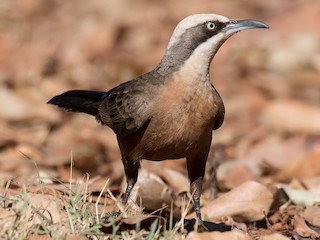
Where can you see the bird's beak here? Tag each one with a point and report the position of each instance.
(236, 25)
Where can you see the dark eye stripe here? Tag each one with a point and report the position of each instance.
(190, 40)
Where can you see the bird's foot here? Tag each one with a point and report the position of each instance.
(200, 226)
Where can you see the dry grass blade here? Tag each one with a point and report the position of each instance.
(98, 200)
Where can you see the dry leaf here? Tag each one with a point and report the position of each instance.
(312, 215)
(274, 149)
(21, 108)
(231, 235)
(76, 237)
(312, 184)
(275, 236)
(41, 204)
(292, 116)
(248, 202)
(232, 174)
(304, 165)
(39, 238)
(125, 224)
(302, 228)
(7, 220)
(17, 161)
(16, 107)
(176, 180)
(151, 190)
(114, 41)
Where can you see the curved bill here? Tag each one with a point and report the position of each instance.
(236, 25)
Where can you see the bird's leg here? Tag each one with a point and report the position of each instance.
(196, 168)
(196, 189)
(131, 169)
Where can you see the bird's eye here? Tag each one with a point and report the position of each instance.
(211, 25)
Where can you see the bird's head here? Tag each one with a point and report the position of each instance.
(199, 37)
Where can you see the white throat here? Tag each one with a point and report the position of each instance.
(196, 67)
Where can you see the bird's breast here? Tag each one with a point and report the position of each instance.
(181, 120)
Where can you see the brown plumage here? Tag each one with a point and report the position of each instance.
(170, 112)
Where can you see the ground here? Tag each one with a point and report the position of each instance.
(60, 172)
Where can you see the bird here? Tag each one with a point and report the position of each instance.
(171, 111)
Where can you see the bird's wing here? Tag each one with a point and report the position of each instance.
(124, 108)
(221, 110)
(219, 117)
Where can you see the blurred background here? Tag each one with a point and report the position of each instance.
(268, 79)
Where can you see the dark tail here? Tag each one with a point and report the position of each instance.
(79, 101)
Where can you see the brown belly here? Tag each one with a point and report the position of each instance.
(169, 137)
(182, 119)
(174, 151)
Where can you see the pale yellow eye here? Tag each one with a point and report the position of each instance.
(211, 25)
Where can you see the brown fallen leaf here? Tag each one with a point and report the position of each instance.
(232, 174)
(304, 165)
(17, 161)
(281, 220)
(19, 107)
(232, 235)
(312, 215)
(145, 221)
(41, 204)
(151, 191)
(39, 238)
(302, 229)
(176, 180)
(16, 107)
(292, 116)
(248, 202)
(273, 149)
(297, 184)
(76, 237)
(275, 236)
(12, 134)
(238, 225)
(312, 183)
(7, 220)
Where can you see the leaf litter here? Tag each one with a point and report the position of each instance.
(54, 165)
